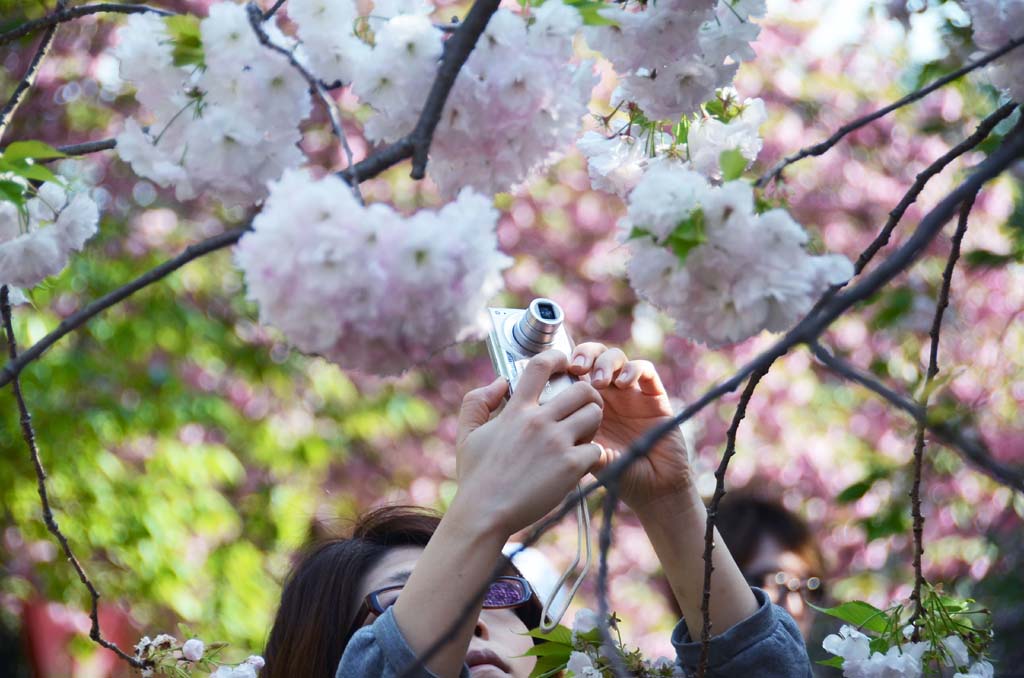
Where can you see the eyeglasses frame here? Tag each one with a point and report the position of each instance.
(371, 602)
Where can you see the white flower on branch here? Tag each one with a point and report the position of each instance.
(366, 287)
(193, 649)
(37, 243)
(709, 138)
(702, 254)
(243, 670)
(981, 669)
(327, 30)
(672, 55)
(616, 163)
(995, 23)
(515, 106)
(226, 128)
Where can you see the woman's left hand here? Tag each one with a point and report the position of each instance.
(634, 401)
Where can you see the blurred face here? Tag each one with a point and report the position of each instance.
(787, 578)
(498, 640)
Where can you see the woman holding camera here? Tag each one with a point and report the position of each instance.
(341, 612)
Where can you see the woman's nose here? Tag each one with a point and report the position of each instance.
(481, 630)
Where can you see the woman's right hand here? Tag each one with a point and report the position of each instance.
(516, 467)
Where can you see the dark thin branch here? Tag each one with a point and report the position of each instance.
(51, 523)
(72, 13)
(930, 374)
(716, 499)
(416, 145)
(256, 19)
(11, 370)
(89, 147)
(273, 10)
(610, 503)
(456, 51)
(980, 133)
(820, 148)
(968, 444)
(27, 80)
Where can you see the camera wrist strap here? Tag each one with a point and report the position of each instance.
(549, 621)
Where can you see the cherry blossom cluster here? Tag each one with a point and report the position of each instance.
(616, 162)
(516, 105)
(705, 256)
(906, 660)
(164, 655)
(35, 242)
(995, 23)
(672, 55)
(367, 287)
(223, 121)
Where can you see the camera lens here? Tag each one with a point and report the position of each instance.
(535, 332)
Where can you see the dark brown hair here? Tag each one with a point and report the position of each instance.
(321, 595)
(744, 519)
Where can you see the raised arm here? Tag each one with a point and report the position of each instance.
(660, 487)
(512, 470)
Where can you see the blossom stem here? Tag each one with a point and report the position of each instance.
(28, 433)
(820, 148)
(64, 15)
(930, 374)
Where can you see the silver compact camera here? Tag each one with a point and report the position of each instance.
(519, 334)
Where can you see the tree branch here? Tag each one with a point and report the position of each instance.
(968, 444)
(51, 523)
(980, 133)
(273, 10)
(28, 79)
(88, 147)
(716, 499)
(820, 148)
(609, 505)
(256, 19)
(72, 13)
(11, 370)
(930, 374)
(456, 51)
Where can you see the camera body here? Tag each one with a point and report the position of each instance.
(517, 334)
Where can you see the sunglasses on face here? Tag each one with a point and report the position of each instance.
(503, 593)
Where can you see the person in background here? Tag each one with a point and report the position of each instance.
(776, 552)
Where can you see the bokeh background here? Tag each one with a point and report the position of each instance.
(191, 452)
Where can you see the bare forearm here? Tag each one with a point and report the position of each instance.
(456, 563)
(675, 525)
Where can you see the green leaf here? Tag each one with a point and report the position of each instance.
(987, 259)
(857, 612)
(861, 487)
(688, 234)
(23, 169)
(835, 662)
(560, 634)
(187, 40)
(12, 191)
(589, 12)
(637, 232)
(733, 164)
(549, 649)
(891, 521)
(37, 150)
(548, 666)
(895, 305)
